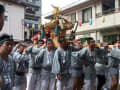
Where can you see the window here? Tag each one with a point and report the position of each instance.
(119, 4)
(25, 35)
(73, 18)
(36, 9)
(110, 38)
(6, 18)
(80, 16)
(87, 15)
(108, 6)
(30, 0)
(68, 17)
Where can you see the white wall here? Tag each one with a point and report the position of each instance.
(15, 23)
(111, 20)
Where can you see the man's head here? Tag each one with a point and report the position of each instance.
(40, 43)
(63, 43)
(49, 44)
(105, 45)
(119, 45)
(35, 42)
(2, 10)
(78, 43)
(21, 47)
(6, 43)
(91, 43)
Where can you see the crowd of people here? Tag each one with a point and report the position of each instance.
(39, 65)
(70, 66)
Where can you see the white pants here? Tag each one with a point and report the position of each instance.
(27, 76)
(109, 81)
(47, 84)
(20, 87)
(90, 84)
(111, 73)
(34, 82)
(64, 85)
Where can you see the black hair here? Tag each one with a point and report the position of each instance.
(90, 40)
(60, 40)
(41, 41)
(21, 44)
(2, 9)
(5, 37)
(49, 41)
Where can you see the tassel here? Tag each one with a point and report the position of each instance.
(56, 31)
(43, 34)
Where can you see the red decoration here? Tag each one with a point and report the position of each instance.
(48, 34)
(80, 23)
(48, 31)
(35, 37)
(27, 26)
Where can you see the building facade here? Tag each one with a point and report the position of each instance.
(97, 19)
(32, 17)
(14, 19)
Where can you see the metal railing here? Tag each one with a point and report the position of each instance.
(107, 12)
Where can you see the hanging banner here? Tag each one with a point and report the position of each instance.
(90, 21)
(36, 26)
(30, 25)
(80, 23)
(27, 26)
(33, 26)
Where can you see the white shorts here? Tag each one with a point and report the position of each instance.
(90, 84)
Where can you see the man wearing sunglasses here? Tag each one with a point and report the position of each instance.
(7, 65)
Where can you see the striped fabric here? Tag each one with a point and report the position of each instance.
(61, 62)
(20, 60)
(8, 73)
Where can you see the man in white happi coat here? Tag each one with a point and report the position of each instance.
(46, 57)
(88, 55)
(34, 74)
(61, 66)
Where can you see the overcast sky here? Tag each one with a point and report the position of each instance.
(46, 5)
